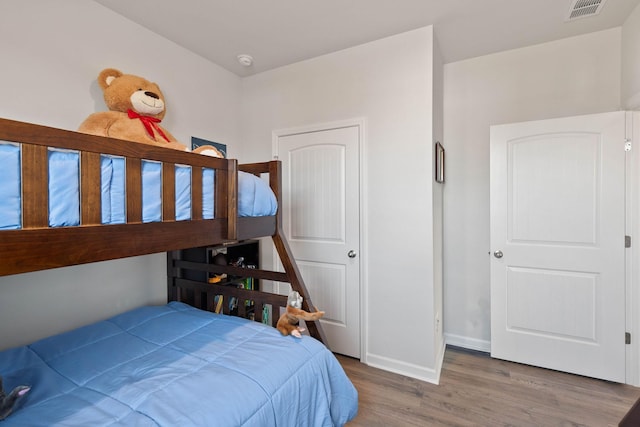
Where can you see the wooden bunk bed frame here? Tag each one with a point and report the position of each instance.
(36, 246)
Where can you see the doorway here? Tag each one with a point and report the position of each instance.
(321, 221)
(558, 244)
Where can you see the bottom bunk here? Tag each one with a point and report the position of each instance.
(176, 365)
(190, 271)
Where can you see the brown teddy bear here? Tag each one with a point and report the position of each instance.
(136, 108)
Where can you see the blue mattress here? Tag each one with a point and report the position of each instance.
(255, 197)
(175, 365)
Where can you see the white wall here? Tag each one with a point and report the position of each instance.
(578, 75)
(51, 59)
(630, 92)
(52, 52)
(438, 204)
(389, 83)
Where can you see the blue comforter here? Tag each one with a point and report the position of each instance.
(175, 365)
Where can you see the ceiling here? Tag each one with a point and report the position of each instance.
(281, 32)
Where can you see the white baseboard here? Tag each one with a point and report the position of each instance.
(430, 375)
(468, 343)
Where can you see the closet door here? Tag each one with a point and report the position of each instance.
(558, 244)
(321, 205)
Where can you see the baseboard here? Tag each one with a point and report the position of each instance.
(468, 343)
(430, 375)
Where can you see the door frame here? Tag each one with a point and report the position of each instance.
(632, 265)
(360, 123)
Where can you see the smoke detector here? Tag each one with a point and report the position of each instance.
(583, 9)
(245, 60)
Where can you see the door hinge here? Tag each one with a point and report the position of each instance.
(627, 337)
(627, 241)
(627, 144)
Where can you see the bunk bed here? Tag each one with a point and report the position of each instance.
(178, 364)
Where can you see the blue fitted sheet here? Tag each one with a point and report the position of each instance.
(183, 193)
(112, 190)
(64, 200)
(175, 365)
(10, 216)
(255, 197)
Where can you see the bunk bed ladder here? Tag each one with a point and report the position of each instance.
(186, 269)
(294, 278)
(187, 272)
(285, 254)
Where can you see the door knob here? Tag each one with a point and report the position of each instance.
(498, 254)
(351, 254)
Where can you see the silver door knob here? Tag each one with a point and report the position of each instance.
(351, 254)
(498, 254)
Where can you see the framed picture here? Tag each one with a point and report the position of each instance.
(439, 160)
(197, 142)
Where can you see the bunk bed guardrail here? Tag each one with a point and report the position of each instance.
(37, 246)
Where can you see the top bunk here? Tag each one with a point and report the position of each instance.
(59, 206)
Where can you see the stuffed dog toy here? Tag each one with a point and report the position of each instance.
(288, 323)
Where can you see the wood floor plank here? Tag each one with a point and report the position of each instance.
(476, 390)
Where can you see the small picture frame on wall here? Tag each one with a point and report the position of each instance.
(439, 162)
(197, 142)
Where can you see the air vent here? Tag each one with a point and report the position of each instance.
(584, 8)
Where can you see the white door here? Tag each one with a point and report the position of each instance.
(322, 225)
(558, 244)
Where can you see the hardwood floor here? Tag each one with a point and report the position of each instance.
(476, 390)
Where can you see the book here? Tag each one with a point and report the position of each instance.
(267, 314)
(217, 304)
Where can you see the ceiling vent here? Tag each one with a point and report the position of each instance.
(584, 8)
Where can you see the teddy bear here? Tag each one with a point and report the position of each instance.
(7, 402)
(136, 109)
(288, 323)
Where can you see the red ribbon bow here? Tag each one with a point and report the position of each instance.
(150, 123)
